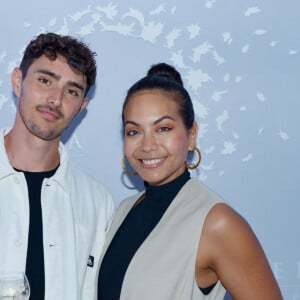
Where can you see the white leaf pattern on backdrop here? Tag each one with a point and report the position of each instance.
(240, 63)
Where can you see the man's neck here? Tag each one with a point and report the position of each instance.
(30, 153)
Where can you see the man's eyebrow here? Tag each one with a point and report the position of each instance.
(49, 73)
(77, 85)
(57, 77)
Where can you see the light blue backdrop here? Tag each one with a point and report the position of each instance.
(240, 60)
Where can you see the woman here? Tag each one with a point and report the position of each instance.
(178, 239)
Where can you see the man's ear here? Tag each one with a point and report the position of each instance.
(193, 136)
(83, 105)
(16, 81)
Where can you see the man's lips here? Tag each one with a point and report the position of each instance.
(50, 113)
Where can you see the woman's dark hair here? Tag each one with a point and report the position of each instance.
(77, 54)
(166, 78)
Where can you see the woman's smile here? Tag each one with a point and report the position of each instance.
(152, 163)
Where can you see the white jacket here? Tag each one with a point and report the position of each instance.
(76, 213)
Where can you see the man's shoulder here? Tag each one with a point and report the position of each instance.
(78, 180)
(82, 177)
(79, 173)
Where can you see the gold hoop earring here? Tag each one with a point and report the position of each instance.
(123, 162)
(197, 163)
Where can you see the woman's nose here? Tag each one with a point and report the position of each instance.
(149, 143)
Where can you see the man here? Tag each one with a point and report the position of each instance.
(53, 217)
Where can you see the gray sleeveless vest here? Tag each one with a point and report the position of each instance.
(163, 268)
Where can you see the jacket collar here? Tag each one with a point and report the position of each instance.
(5, 168)
(60, 176)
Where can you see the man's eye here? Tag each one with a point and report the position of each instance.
(44, 80)
(73, 93)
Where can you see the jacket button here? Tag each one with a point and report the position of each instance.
(18, 243)
(17, 180)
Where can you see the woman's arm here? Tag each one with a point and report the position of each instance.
(229, 251)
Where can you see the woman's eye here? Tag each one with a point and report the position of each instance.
(132, 132)
(164, 128)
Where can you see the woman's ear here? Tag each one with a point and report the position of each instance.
(193, 136)
(16, 81)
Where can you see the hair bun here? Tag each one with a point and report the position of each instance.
(165, 70)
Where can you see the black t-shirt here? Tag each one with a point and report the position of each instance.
(35, 252)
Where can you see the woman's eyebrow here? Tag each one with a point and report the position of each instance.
(163, 118)
(155, 122)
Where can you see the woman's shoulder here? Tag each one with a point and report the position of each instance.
(225, 227)
(222, 218)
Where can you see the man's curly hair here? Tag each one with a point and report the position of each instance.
(77, 54)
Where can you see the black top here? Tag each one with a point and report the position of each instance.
(35, 252)
(137, 225)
